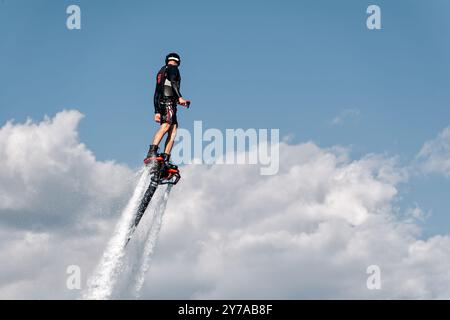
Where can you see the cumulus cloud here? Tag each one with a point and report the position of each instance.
(435, 154)
(351, 114)
(310, 231)
(56, 200)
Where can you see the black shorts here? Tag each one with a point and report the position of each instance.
(168, 111)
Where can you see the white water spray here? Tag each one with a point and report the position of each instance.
(123, 267)
(151, 236)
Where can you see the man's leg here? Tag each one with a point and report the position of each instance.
(153, 151)
(172, 133)
(160, 133)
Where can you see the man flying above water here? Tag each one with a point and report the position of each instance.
(167, 97)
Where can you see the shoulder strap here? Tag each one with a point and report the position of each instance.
(161, 76)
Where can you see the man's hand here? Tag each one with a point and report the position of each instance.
(158, 117)
(182, 101)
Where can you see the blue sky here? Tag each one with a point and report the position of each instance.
(293, 65)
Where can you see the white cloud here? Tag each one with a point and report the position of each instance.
(309, 232)
(435, 154)
(346, 115)
(56, 205)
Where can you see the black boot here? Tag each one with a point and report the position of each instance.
(167, 162)
(152, 155)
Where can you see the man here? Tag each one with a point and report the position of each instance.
(167, 97)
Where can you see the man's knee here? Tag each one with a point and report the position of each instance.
(164, 127)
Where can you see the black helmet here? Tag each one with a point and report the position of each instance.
(173, 56)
